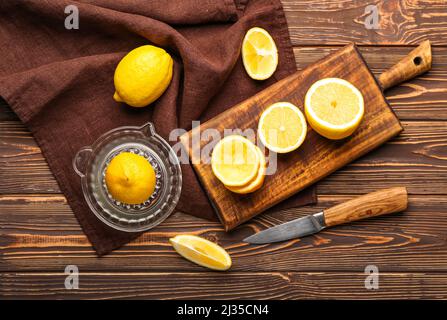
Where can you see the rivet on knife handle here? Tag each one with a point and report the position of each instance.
(370, 205)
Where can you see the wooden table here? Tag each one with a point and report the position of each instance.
(39, 235)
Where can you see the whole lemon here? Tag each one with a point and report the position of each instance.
(130, 178)
(142, 76)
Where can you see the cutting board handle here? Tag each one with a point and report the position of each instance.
(415, 63)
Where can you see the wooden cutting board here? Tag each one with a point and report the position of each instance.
(318, 156)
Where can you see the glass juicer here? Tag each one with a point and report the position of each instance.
(91, 162)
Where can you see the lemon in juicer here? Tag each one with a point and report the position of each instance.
(130, 178)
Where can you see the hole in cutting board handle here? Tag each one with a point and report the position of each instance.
(417, 60)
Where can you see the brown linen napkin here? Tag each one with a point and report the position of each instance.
(60, 82)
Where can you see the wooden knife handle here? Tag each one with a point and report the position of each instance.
(370, 205)
(417, 62)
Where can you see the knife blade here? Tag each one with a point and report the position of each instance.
(370, 205)
(294, 229)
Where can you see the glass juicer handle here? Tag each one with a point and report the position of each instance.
(148, 129)
(81, 159)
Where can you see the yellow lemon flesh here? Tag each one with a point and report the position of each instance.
(282, 127)
(130, 178)
(259, 54)
(235, 161)
(257, 182)
(201, 251)
(142, 76)
(334, 108)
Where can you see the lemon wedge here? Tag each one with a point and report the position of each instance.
(282, 127)
(334, 108)
(235, 161)
(202, 252)
(259, 54)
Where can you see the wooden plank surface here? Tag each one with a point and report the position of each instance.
(39, 235)
(314, 22)
(231, 285)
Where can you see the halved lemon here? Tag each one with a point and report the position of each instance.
(201, 251)
(282, 127)
(257, 181)
(334, 108)
(130, 178)
(235, 160)
(259, 54)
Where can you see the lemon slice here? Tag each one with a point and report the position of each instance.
(201, 251)
(257, 181)
(334, 108)
(235, 160)
(282, 127)
(259, 54)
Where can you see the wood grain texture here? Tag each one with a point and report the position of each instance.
(23, 167)
(381, 202)
(213, 285)
(40, 233)
(316, 158)
(401, 22)
(417, 62)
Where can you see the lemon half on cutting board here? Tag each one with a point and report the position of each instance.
(334, 108)
(282, 127)
(257, 182)
(235, 161)
(201, 251)
(259, 54)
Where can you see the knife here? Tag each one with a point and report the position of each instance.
(373, 204)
